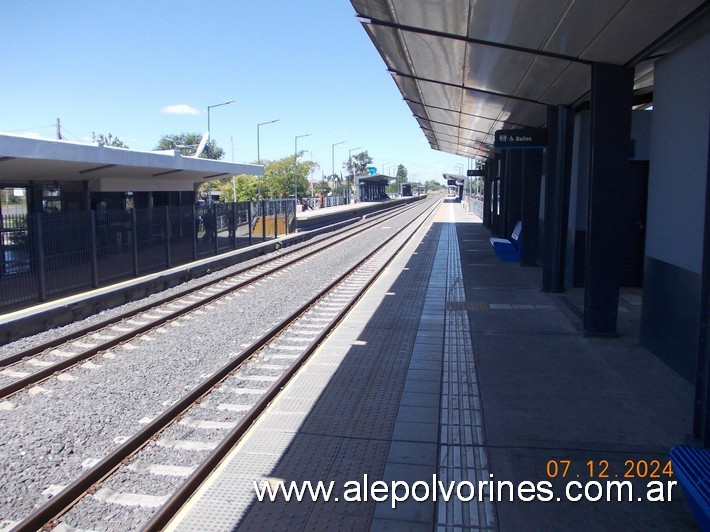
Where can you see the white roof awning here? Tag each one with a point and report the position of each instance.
(24, 159)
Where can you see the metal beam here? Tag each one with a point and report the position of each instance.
(470, 40)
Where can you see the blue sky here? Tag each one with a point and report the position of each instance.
(129, 67)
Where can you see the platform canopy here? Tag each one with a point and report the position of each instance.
(454, 177)
(467, 68)
(24, 159)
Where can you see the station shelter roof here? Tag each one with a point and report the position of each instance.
(456, 177)
(24, 159)
(467, 69)
(376, 178)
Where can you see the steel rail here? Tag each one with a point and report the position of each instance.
(163, 516)
(75, 490)
(56, 342)
(68, 362)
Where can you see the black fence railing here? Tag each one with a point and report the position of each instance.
(45, 256)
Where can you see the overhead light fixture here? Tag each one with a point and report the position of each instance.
(363, 20)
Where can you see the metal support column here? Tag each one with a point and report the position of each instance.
(487, 187)
(501, 227)
(514, 190)
(134, 242)
(560, 129)
(701, 415)
(532, 177)
(168, 251)
(91, 215)
(610, 131)
(495, 207)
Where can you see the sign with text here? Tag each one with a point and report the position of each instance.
(510, 139)
(475, 173)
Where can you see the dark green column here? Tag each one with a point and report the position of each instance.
(610, 131)
(532, 176)
(558, 168)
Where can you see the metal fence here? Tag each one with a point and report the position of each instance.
(45, 256)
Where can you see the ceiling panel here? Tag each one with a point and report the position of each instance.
(417, 108)
(374, 9)
(475, 122)
(530, 114)
(514, 22)
(438, 115)
(435, 58)
(519, 56)
(449, 16)
(627, 34)
(579, 24)
(543, 72)
(440, 95)
(485, 105)
(408, 87)
(388, 43)
(447, 130)
(495, 69)
(570, 86)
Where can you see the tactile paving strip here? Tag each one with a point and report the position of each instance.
(462, 452)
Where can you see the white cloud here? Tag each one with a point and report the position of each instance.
(180, 109)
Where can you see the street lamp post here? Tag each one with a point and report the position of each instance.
(352, 172)
(258, 153)
(209, 136)
(295, 163)
(333, 156)
(209, 139)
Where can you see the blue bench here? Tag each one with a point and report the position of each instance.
(692, 468)
(508, 250)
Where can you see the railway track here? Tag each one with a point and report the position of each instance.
(234, 396)
(32, 365)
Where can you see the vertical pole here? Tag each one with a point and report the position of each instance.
(249, 219)
(214, 229)
(39, 249)
(234, 224)
(514, 189)
(502, 228)
(94, 249)
(168, 261)
(532, 176)
(194, 234)
(263, 220)
(487, 187)
(277, 206)
(557, 184)
(610, 125)
(701, 414)
(134, 235)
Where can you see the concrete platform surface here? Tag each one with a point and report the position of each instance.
(456, 373)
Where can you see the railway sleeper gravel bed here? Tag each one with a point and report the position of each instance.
(84, 433)
(32, 344)
(35, 367)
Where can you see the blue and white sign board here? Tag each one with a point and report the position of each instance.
(371, 170)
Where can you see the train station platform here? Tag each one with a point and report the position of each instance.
(456, 368)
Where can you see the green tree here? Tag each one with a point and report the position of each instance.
(433, 185)
(401, 176)
(110, 141)
(357, 164)
(246, 187)
(281, 176)
(187, 144)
